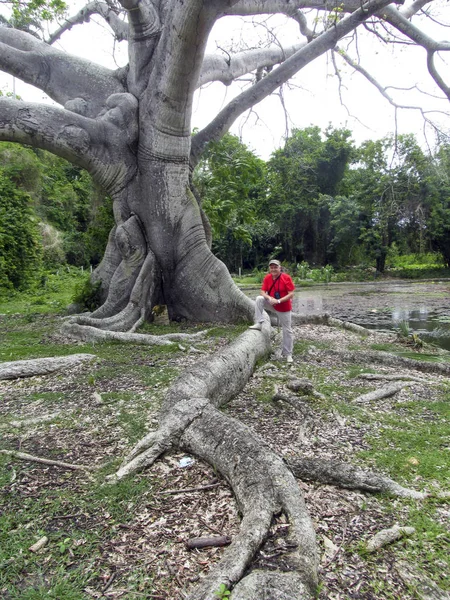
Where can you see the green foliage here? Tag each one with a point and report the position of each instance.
(20, 252)
(230, 180)
(51, 214)
(88, 294)
(222, 592)
(389, 191)
(28, 16)
(302, 177)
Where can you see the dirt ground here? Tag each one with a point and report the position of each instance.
(194, 501)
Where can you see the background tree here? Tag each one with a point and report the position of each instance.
(301, 177)
(438, 221)
(73, 216)
(230, 180)
(20, 248)
(391, 185)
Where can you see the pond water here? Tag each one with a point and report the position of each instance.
(425, 306)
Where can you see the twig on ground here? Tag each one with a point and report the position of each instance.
(45, 461)
(200, 488)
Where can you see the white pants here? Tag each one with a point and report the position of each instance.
(284, 319)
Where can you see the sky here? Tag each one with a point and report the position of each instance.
(312, 98)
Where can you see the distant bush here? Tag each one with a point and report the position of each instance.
(88, 294)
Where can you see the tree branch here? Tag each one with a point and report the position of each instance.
(397, 20)
(258, 7)
(63, 77)
(321, 44)
(383, 90)
(102, 146)
(119, 27)
(435, 75)
(145, 30)
(169, 95)
(227, 69)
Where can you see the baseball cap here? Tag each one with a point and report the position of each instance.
(275, 262)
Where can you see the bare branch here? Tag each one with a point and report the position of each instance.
(61, 76)
(325, 41)
(70, 135)
(286, 7)
(227, 69)
(413, 8)
(435, 75)
(119, 27)
(45, 461)
(395, 18)
(383, 90)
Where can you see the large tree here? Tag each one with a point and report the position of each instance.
(131, 129)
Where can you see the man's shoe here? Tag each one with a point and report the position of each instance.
(257, 326)
(289, 358)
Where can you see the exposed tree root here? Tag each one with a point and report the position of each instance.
(424, 587)
(384, 392)
(326, 319)
(41, 366)
(386, 377)
(387, 536)
(347, 476)
(391, 360)
(92, 334)
(264, 484)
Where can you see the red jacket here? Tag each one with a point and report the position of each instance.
(283, 285)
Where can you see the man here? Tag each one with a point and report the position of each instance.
(276, 295)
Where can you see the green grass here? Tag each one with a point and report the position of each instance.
(78, 524)
(52, 294)
(413, 440)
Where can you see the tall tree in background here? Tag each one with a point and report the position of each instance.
(20, 248)
(131, 130)
(391, 186)
(301, 177)
(231, 181)
(438, 223)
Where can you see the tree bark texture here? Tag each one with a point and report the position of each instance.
(41, 366)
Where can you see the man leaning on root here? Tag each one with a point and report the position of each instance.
(276, 295)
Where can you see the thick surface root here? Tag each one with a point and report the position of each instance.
(391, 360)
(41, 366)
(92, 334)
(347, 476)
(263, 484)
(326, 319)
